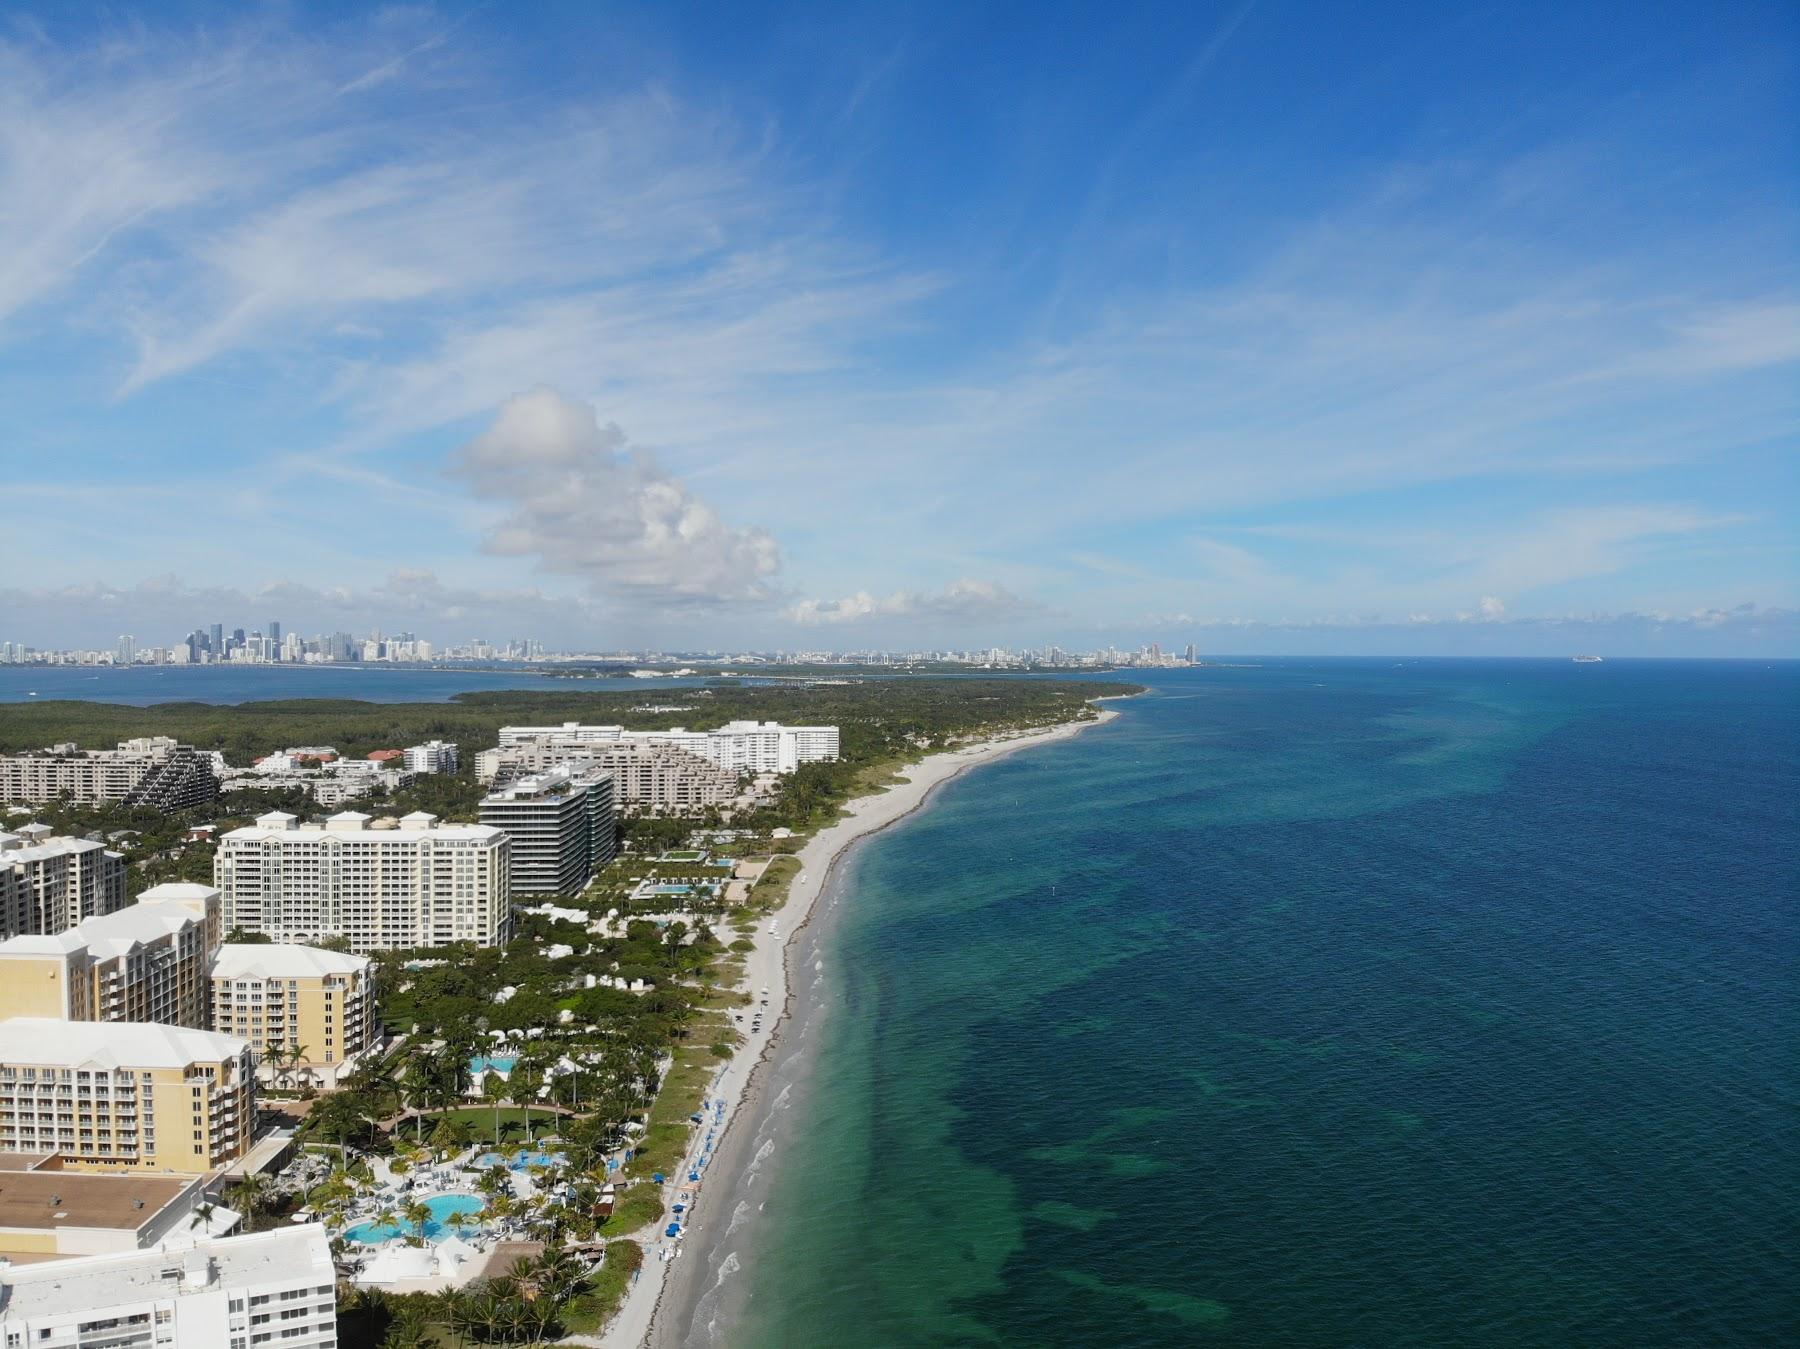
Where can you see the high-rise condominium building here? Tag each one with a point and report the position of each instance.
(561, 823)
(421, 883)
(149, 961)
(151, 771)
(49, 882)
(275, 1289)
(307, 1013)
(435, 756)
(740, 746)
(125, 1094)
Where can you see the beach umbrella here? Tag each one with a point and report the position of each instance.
(674, 1230)
(680, 1207)
(657, 1176)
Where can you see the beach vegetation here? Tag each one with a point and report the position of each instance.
(589, 1309)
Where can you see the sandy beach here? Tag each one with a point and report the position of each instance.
(663, 1297)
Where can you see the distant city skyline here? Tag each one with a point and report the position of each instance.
(215, 644)
(1272, 328)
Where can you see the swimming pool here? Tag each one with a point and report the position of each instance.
(520, 1160)
(449, 1213)
(500, 1063)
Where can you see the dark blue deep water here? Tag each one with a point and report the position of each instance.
(1330, 1003)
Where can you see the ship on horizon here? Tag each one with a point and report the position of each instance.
(1588, 660)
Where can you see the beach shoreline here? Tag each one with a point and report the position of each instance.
(665, 1294)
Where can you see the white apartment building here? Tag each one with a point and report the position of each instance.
(276, 1288)
(330, 784)
(420, 883)
(318, 771)
(562, 827)
(434, 756)
(740, 746)
(51, 882)
(150, 771)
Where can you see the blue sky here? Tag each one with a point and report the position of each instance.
(1269, 326)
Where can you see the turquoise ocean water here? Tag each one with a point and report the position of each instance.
(1332, 1003)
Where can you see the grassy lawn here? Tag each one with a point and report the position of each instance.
(480, 1118)
(664, 1142)
(636, 1207)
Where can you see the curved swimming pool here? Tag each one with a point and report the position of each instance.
(450, 1213)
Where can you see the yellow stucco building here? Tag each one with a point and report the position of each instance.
(307, 1013)
(150, 961)
(125, 1094)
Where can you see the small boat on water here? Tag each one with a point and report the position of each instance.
(1588, 660)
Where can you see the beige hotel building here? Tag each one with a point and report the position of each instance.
(147, 962)
(278, 996)
(125, 1094)
(161, 960)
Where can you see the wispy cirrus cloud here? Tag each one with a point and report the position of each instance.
(252, 193)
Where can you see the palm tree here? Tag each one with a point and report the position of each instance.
(533, 1318)
(410, 1329)
(418, 1213)
(380, 1079)
(295, 1055)
(250, 1196)
(459, 1305)
(526, 1081)
(558, 1271)
(450, 1134)
(203, 1212)
(482, 1313)
(415, 1088)
(494, 1089)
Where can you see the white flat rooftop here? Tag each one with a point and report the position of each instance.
(37, 1041)
(284, 1254)
(281, 960)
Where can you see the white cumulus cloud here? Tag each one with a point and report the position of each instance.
(584, 503)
